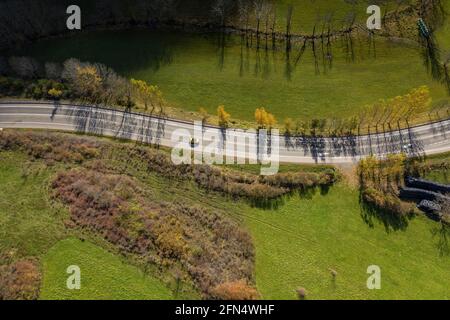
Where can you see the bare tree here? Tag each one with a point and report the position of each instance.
(53, 70)
(70, 67)
(244, 7)
(290, 10)
(24, 67)
(221, 9)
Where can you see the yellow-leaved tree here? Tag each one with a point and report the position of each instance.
(418, 101)
(224, 117)
(264, 119)
(55, 94)
(88, 82)
(147, 94)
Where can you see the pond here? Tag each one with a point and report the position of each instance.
(207, 70)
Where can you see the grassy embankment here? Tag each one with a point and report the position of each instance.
(296, 245)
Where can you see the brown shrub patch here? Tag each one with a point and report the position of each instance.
(49, 146)
(53, 147)
(20, 280)
(211, 248)
(236, 290)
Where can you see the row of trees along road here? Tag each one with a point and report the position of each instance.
(385, 114)
(92, 83)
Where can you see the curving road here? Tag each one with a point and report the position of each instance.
(426, 139)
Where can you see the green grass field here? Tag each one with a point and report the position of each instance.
(31, 225)
(442, 34)
(103, 275)
(308, 13)
(296, 244)
(193, 72)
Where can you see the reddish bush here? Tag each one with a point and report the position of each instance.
(50, 146)
(20, 281)
(236, 290)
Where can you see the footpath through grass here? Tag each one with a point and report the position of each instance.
(103, 275)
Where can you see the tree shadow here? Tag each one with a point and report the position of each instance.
(442, 233)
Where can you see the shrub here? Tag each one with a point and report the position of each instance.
(46, 89)
(301, 293)
(50, 147)
(11, 87)
(236, 290)
(20, 280)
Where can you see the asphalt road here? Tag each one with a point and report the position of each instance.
(427, 139)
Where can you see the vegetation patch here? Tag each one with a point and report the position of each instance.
(260, 190)
(212, 249)
(380, 182)
(324, 243)
(20, 280)
(103, 275)
(317, 244)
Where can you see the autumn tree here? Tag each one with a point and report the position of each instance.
(224, 117)
(264, 119)
(55, 94)
(289, 125)
(302, 126)
(88, 83)
(144, 92)
(418, 101)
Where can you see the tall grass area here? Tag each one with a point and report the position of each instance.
(439, 169)
(103, 275)
(300, 243)
(29, 225)
(32, 225)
